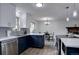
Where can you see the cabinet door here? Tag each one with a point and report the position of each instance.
(12, 16)
(0, 14)
(37, 41)
(22, 44)
(8, 15)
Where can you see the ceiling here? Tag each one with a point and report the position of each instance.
(54, 10)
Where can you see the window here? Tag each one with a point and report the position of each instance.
(17, 26)
(18, 23)
(32, 26)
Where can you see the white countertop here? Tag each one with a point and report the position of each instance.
(36, 34)
(71, 42)
(7, 38)
(11, 37)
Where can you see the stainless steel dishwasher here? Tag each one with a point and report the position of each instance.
(9, 47)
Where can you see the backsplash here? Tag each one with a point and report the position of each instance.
(25, 30)
(3, 31)
(22, 31)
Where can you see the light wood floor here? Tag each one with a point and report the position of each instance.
(49, 49)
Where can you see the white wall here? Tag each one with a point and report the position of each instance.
(58, 26)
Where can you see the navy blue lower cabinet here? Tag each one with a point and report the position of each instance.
(37, 41)
(0, 48)
(22, 44)
(72, 51)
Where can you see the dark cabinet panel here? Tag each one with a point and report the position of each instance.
(22, 44)
(0, 48)
(59, 47)
(37, 41)
(72, 51)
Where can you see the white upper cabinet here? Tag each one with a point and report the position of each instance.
(7, 15)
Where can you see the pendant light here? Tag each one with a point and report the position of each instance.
(67, 18)
(75, 11)
(47, 22)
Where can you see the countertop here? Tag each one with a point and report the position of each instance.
(67, 36)
(7, 38)
(11, 37)
(71, 42)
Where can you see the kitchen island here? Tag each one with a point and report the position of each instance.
(58, 41)
(70, 46)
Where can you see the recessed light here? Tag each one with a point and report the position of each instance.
(39, 5)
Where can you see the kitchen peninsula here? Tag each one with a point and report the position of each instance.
(17, 44)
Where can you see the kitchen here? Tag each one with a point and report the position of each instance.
(39, 29)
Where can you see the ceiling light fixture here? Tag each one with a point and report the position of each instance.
(39, 5)
(18, 12)
(67, 19)
(46, 23)
(75, 11)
